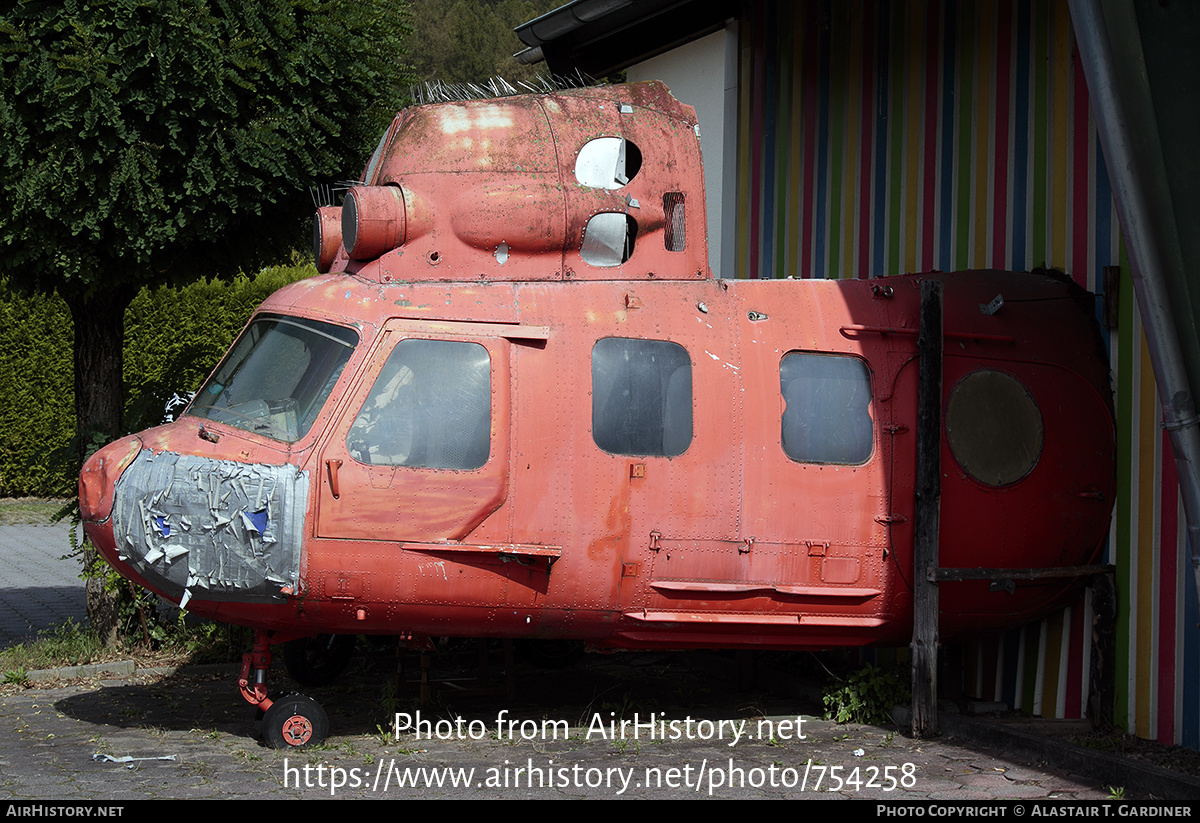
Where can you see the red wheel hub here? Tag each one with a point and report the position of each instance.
(297, 730)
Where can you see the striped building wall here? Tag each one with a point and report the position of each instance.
(878, 137)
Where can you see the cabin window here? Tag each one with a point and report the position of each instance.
(607, 163)
(277, 377)
(994, 427)
(641, 397)
(827, 408)
(430, 407)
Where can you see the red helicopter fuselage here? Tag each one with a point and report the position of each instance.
(518, 404)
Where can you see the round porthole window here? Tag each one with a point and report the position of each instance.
(994, 427)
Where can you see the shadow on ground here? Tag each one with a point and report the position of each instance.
(365, 698)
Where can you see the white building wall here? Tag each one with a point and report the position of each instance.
(703, 74)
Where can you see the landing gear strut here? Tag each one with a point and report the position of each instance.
(288, 721)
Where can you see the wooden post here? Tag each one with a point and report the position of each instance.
(926, 514)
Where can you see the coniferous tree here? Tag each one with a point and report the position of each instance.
(471, 41)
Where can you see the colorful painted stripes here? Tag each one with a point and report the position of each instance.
(1157, 637)
(878, 137)
(887, 137)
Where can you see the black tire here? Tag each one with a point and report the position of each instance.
(318, 661)
(294, 722)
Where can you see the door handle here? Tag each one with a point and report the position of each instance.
(332, 467)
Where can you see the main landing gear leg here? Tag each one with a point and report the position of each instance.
(288, 721)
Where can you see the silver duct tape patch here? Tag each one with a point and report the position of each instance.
(214, 529)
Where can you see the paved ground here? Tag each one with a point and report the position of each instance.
(561, 737)
(556, 740)
(38, 588)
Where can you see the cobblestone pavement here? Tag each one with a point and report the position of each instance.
(553, 740)
(38, 588)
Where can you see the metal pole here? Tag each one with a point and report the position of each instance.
(1135, 167)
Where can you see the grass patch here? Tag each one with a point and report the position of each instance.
(68, 644)
(28, 511)
(73, 644)
(209, 642)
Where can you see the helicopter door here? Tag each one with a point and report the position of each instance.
(421, 451)
(676, 466)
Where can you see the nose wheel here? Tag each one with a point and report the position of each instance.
(293, 721)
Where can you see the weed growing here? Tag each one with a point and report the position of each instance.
(67, 644)
(75, 644)
(866, 696)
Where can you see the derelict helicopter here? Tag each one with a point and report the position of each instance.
(516, 403)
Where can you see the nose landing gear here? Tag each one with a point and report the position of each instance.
(288, 721)
(294, 721)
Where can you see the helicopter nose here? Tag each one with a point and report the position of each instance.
(98, 479)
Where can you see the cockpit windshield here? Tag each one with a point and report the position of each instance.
(277, 377)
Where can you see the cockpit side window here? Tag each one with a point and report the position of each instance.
(827, 416)
(430, 407)
(277, 377)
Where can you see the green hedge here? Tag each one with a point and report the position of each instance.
(37, 411)
(173, 338)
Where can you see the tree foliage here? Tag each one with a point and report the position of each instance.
(471, 41)
(36, 405)
(148, 140)
(156, 140)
